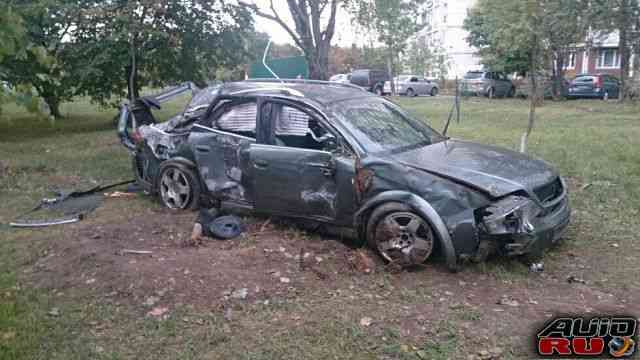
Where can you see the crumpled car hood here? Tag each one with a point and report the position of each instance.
(493, 170)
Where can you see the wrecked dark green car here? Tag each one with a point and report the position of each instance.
(346, 159)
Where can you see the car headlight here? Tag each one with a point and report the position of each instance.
(510, 215)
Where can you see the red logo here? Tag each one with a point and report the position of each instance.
(594, 337)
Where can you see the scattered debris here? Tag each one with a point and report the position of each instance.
(90, 281)
(573, 279)
(159, 312)
(240, 293)
(65, 208)
(226, 227)
(54, 312)
(361, 262)
(210, 224)
(536, 267)
(505, 300)
(366, 321)
(136, 252)
(285, 280)
(151, 300)
(615, 245)
(196, 238)
(119, 194)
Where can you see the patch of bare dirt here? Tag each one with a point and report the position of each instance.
(273, 260)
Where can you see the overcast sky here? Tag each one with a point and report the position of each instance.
(344, 35)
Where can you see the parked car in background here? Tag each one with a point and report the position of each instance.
(412, 85)
(598, 86)
(487, 83)
(341, 78)
(371, 80)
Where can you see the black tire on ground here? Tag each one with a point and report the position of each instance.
(178, 186)
(410, 92)
(378, 91)
(434, 91)
(394, 226)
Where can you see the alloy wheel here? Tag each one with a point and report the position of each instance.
(404, 238)
(175, 189)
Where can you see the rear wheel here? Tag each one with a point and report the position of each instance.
(434, 91)
(379, 91)
(400, 235)
(179, 186)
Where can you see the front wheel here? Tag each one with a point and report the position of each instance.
(400, 235)
(179, 186)
(379, 91)
(434, 91)
(410, 93)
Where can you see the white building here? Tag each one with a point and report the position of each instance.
(445, 36)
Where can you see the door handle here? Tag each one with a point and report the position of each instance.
(260, 164)
(203, 148)
(325, 168)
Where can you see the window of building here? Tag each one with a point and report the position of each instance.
(570, 61)
(608, 58)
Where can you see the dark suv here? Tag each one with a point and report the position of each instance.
(346, 159)
(599, 86)
(370, 80)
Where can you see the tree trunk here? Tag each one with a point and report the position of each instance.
(558, 76)
(533, 99)
(54, 106)
(624, 60)
(390, 71)
(318, 61)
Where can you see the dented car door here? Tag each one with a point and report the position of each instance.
(290, 176)
(218, 143)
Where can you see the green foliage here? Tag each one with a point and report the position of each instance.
(393, 21)
(88, 47)
(420, 57)
(170, 42)
(507, 31)
(500, 30)
(14, 45)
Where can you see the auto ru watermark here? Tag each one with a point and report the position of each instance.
(594, 337)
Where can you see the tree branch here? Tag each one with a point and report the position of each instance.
(274, 18)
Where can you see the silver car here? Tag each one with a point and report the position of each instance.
(487, 83)
(412, 85)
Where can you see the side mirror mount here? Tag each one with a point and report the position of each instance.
(330, 144)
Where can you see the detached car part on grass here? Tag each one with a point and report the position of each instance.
(349, 160)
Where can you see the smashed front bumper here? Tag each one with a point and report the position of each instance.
(517, 225)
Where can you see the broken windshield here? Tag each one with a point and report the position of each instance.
(379, 125)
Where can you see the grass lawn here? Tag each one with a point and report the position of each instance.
(418, 315)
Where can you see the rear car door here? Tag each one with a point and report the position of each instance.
(218, 142)
(294, 169)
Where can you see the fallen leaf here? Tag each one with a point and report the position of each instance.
(158, 311)
(366, 321)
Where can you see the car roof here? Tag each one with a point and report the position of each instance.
(321, 92)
